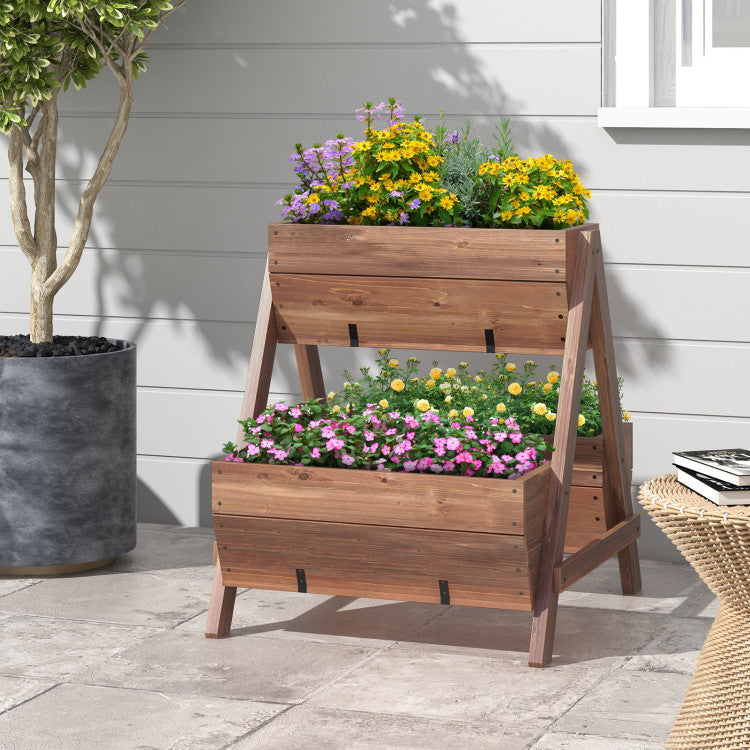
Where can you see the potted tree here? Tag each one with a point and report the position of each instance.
(67, 425)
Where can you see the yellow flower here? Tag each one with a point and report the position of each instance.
(463, 365)
(500, 407)
(551, 416)
(398, 385)
(423, 404)
(450, 372)
(581, 420)
(435, 373)
(539, 409)
(313, 199)
(626, 416)
(393, 362)
(547, 387)
(331, 395)
(553, 377)
(429, 383)
(336, 409)
(510, 367)
(452, 413)
(448, 399)
(468, 411)
(514, 389)
(382, 351)
(479, 379)
(383, 403)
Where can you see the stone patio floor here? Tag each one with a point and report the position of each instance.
(117, 660)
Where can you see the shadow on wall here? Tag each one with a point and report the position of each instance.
(184, 239)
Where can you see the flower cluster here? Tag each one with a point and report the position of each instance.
(543, 193)
(504, 391)
(322, 172)
(384, 440)
(388, 178)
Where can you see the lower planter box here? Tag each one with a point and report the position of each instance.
(412, 537)
(427, 538)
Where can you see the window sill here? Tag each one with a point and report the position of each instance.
(674, 117)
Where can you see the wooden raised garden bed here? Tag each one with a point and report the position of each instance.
(450, 539)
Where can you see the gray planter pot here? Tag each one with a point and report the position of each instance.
(67, 459)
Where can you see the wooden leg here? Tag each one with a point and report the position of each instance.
(221, 607)
(310, 374)
(576, 337)
(617, 497)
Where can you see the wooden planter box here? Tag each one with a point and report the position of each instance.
(459, 540)
(387, 535)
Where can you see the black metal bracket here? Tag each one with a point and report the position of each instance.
(489, 340)
(301, 581)
(353, 335)
(445, 594)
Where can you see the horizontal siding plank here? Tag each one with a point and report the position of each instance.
(680, 229)
(555, 80)
(153, 149)
(361, 22)
(165, 217)
(145, 284)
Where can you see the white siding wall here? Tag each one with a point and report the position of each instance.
(177, 251)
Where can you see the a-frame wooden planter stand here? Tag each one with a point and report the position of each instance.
(459, 540)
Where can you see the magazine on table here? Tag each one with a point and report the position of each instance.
(731, 465)
(721, 493)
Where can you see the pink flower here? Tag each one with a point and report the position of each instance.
(296, 412)
(436, 468)
(334, 444)
(369, 435)
(500, 436)
(470, 434)
(453, 444)
(328, 432)
(315, 453)
(252, 450)
(230, 457)
(464, 458)
(280, 406)
(267, 443)
(516, 437)
(409, 465)
(449, 466)
(386, 450)
(350, 429)
(403, 447)
(298, 428)
(410, 436)
(347, 460)
(424, 464)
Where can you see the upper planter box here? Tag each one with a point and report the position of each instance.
(449, 288)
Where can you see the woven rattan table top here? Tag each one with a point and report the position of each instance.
(673, 497)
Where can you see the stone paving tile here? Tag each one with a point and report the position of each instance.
(610, 637)
(317, 617)
(458, 686)
(15, 690)
(628, 705)
(128, 599)
(87, 717)
(167, 554)
(50, 649)
(674, 649)
(559, 741)
(309, 728)
(265, 669)
(11, 585)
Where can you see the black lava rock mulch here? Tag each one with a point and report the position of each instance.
(61, 346)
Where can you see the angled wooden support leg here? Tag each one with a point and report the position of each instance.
(553, 543)
(259, 371)
(617, 496)
(310, 374)
(221, 607)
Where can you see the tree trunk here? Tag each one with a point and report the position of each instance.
(41, 301)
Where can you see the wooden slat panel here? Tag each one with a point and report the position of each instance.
(426, 252)
(586, 519)
(369, 497)
(414, 312)
(381, 561)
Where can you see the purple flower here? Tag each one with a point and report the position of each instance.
(396, 194)
(415, 204)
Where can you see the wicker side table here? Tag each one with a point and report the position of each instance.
(715, 540)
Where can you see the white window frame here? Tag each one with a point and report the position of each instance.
(640, 71)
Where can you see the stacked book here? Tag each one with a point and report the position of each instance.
(722, 476)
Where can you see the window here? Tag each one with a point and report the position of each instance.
(676, 63)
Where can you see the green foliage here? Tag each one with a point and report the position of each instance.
(463, 153)
(48, 44)
(504, 390)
